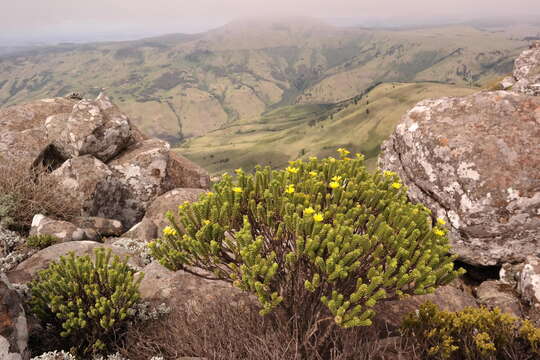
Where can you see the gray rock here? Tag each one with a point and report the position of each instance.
(22, 129)
(63, 230)
(102, 226)
(475, 161)
(175, 288)
(529, 282)
(494, 294)
(13, 325)
(92, 186)
(527, 71)
(26, 270)
(94, 128)
(510, 273)
(144, 231)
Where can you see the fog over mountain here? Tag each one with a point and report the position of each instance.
(26, 22)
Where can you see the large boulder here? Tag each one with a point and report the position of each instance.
(169, 202)
(94, 128)
(27, 269)
(13, 325)
(475, 161)
(92, 186)
(527, 71)
(177, 288)
(22, 129)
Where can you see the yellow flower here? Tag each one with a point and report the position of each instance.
(206, 222)
(168, 230)
(289, 189)
(438, 232)
(396, 185)
(318, 217)
(441, 221)
(334, 185)
(331, 159)
(292, 170)
(343, 152)
(336, 178)
(359, 156)
(291, 162)
(238, 171)
(237, 189)
(312, 158)
(389, 173)
(309, 211)
(209, 193)
(313, 173)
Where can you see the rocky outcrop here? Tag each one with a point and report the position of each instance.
(95, 128)
(13, 325)
(106, 166)
(527, 71)
(475, 161)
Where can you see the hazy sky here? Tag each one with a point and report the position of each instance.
(42, 18)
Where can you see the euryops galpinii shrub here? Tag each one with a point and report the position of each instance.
(474, 333)
(86, 299)
(320, 238)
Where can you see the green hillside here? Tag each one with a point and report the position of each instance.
(305, 130)
(183, 86)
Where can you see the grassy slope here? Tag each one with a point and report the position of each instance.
(309, 129)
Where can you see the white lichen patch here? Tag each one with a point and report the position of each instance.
(512, 194)
(466, 171)
(413, 127)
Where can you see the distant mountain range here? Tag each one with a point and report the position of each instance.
(183, 87)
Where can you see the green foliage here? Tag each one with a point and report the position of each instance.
(41, 241)
(86, 299)
(7, 207)
(474, 333)
(320, 238)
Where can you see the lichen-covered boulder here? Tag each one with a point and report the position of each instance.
(13, 325)
(527, 71)
(475, 161)
(96, 128)
(529, 281)
(22, 129)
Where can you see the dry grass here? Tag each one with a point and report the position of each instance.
(228, 332)
(24, 193)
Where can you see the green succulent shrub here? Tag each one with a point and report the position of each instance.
(471, 334)
(322, 240)
(41, 241)
(86, 299)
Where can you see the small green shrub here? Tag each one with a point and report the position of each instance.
(474, 333)
(323, 240)
(86, 299)
(41, 241)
